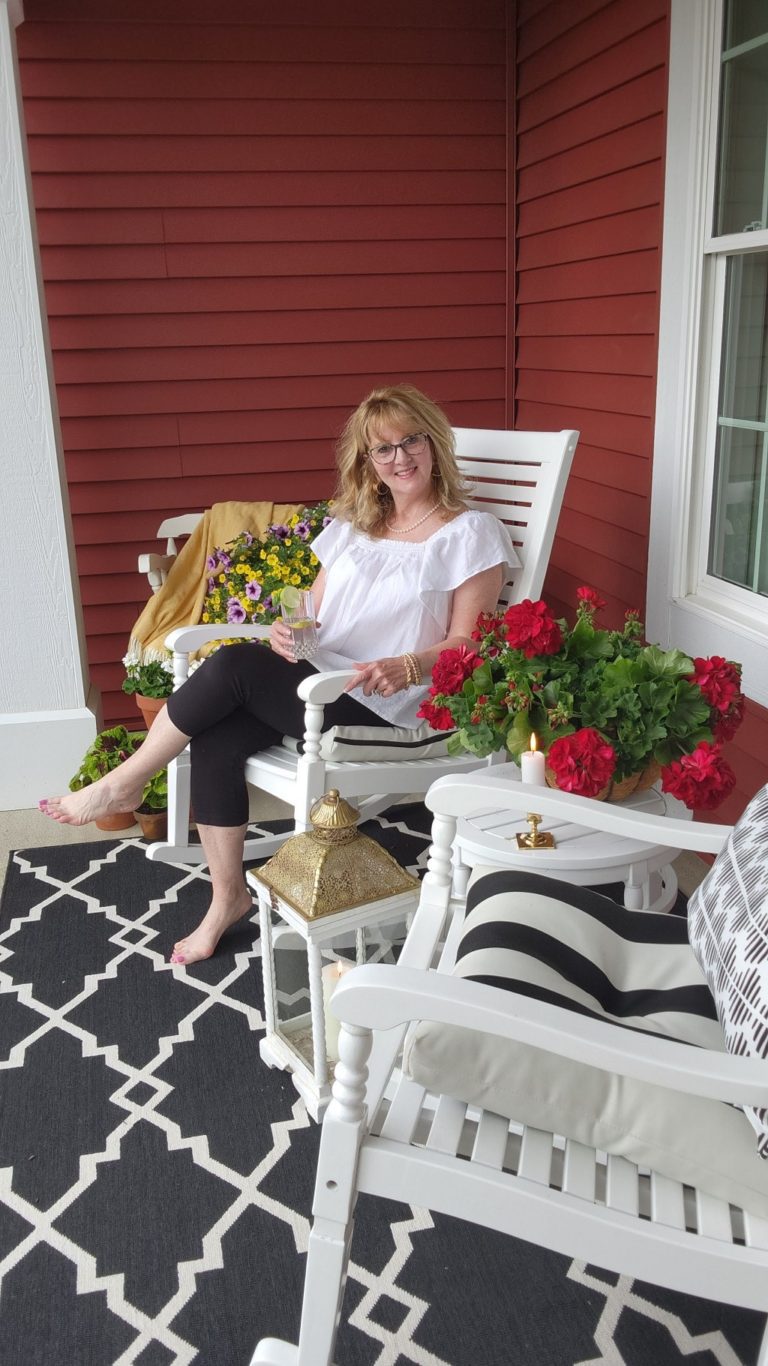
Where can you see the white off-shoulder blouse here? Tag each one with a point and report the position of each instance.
(387, 597)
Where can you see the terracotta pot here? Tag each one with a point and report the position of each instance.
(154, 824)
(149, 707)
(119, 820)
(616, 792)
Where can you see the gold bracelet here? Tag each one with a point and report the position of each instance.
(413, 674)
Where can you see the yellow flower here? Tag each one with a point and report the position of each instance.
(241, 569)
(295, 578)
(222, 578)
(205, 616)
(262, 554)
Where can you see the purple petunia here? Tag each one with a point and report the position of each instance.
(225, 560)
(248, 538)
(327, 521)
(211, 585)
(211, 564)
(235, 611)
(268, 603)
(302, 530)
(253, 590)
(282, 532)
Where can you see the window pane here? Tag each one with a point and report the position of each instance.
(738, 549)
(745, 339)
(740, 203)
(744, 19)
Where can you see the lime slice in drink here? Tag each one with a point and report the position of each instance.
(290, 597)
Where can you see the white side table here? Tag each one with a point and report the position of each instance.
(298, 1045)
(581, 856)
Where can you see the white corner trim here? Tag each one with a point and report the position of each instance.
(15, 11)
(39, 752)
(677, 613)
(45, 666)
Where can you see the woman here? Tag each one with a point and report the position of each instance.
(404, 564)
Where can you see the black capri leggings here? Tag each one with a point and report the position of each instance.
(242, 700)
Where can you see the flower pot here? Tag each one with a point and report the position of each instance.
(154, 824)
(616, 792)
(118, 820)
(149, 707)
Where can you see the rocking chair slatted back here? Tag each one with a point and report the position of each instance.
(519, 476)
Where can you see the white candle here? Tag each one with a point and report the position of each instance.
(332, 975)
(532, 765)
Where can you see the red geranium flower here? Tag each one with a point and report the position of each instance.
(725, 724)
(439, 718)
(702, 780)
(590, 598)
(532, 629)
(452, 668)
(582, 763)
(488, 630)
(719, 680)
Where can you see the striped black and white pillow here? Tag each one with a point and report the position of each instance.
(371, 744)
(571, 946)
(728, 930)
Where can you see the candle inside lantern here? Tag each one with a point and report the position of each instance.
(332, 975)
(532, 764)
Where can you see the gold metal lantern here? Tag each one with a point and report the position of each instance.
(333, 867)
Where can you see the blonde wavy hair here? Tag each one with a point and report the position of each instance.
(360, 497)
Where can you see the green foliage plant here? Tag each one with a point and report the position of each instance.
(110, 749)
(148, 680)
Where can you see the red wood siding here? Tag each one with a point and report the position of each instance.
(245, 224)
(590, 102)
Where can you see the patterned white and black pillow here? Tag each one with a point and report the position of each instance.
(728, 930)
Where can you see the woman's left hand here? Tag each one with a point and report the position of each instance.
(382, 676)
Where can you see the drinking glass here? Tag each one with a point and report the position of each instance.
(298, 611)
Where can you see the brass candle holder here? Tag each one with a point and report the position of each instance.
(535, 838)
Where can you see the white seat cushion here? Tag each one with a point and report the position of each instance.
(374, 744)
(575, 948)
(728, 930)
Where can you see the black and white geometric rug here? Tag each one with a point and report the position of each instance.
(156, 1178)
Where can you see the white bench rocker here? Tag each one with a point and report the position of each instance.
(385, 1135)
(519, 476)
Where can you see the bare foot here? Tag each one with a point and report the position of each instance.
(201, 942)
(99, 799)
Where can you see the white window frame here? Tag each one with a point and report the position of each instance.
(686, 606)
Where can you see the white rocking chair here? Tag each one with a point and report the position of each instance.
(384, 1135)
(519, 476)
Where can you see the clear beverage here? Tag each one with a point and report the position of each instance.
(298, 611)
(304, 634)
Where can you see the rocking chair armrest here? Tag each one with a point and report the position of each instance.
(322, 688)
(146, 563)
(386, 996)
(185, 639)
(452, 797)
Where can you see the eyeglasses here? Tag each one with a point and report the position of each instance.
(410, 445)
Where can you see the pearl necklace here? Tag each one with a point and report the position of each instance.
(404, 530)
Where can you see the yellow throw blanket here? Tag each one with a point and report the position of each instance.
(180, 600)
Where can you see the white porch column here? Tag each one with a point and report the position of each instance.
(46, 721)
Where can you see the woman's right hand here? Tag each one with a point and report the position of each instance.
(281, 640)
